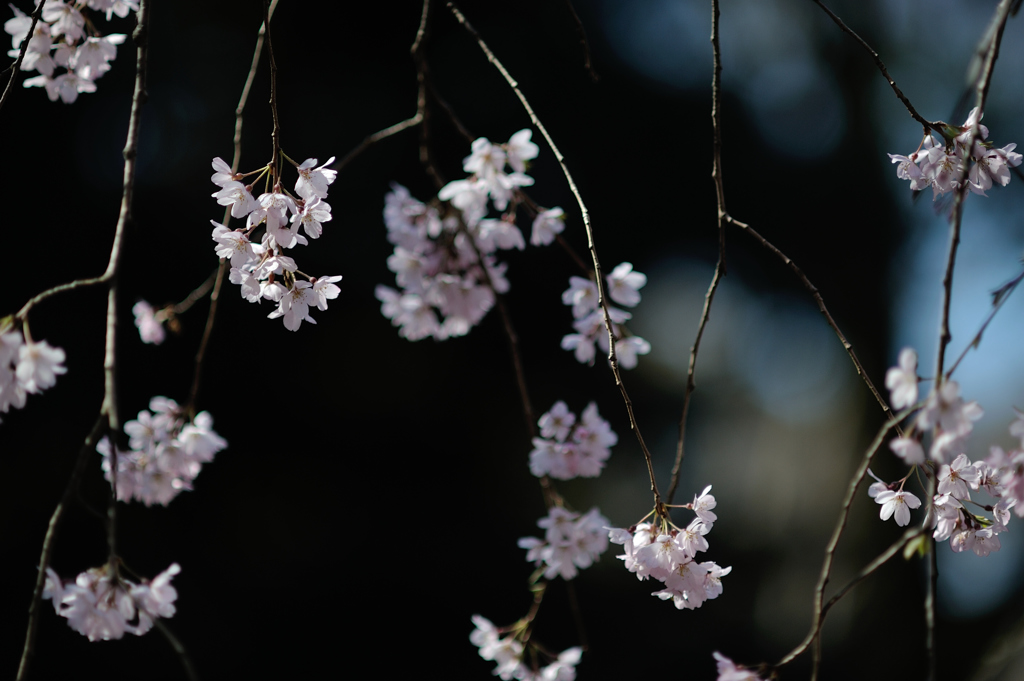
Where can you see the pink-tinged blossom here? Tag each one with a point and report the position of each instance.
(519, 150)
(582, 295)
(897, 504)
(955, 478)
(546, 226)
(624, 285)
(151, 330)
(901, 380)
(557, 422)
(702, 506)
(907, 448)
(223, 175)
(324, 290)
(91, 58)
(314, 181)
(627, 351)
(313, 214)
(730, 671)
(102, 607)
(236, 195)
(38, 366)
(294, 306)
(571, 542)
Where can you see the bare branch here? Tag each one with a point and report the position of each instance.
(937, 126)
(598, 276)
(15, 68)
(709, 297)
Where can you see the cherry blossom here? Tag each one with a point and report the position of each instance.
(102, 605)
(151, 329)
(898, 504)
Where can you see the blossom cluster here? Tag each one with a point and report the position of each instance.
(61, 40)
(583, 454)
(623, 287)
(570, 541)
(261, 269)
(444, 257)
(26, 367)
(103, 605)
(949, 420)
(667, 553)
(508, 652)
(166, 453)
(940, 165)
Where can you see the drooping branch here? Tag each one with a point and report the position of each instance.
(709, 297)
(598, 275)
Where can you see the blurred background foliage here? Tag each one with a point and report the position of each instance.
(374, 489)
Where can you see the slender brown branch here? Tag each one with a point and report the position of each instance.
(179, 649)
(709, 297)
(1001, 295)
(583, 41)
(15, 68)
(88, 447)
(937, 126)
(197, 294)
(422, 86)
(275, 135)
(377, 137)
(447, 108)
(599, 277)
(236, 160)
(813, 290)
(999, 19)
(826, 568)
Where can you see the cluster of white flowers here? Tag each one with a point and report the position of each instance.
(949, 420)
(667, 554)
(61, 41)
(571, 541)
(508, 652)
(624, 288)
(103, 606)
(940, 165)
(582, 455)
(26, 368)
(444, 259)
(166, 453)
(261, 269)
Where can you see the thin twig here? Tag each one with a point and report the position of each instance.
(709, 297)
(937, 126)
(422, 86)
(1001, 295)
(16, 66)
(826, 568)
(178, 647)
(1002, 13)
(377, 137)
(447, 108)
(88, 447)
(583, 41)
(275, 135)
(222, 269)
(813, 290)
(197, 294)
(599, 277)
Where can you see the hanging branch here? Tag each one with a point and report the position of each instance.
(109, 421)
(937, 126)
(709, 297)
(236, 160)
(15, 68)
(598, 276)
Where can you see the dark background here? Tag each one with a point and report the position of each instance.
(373, 489)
